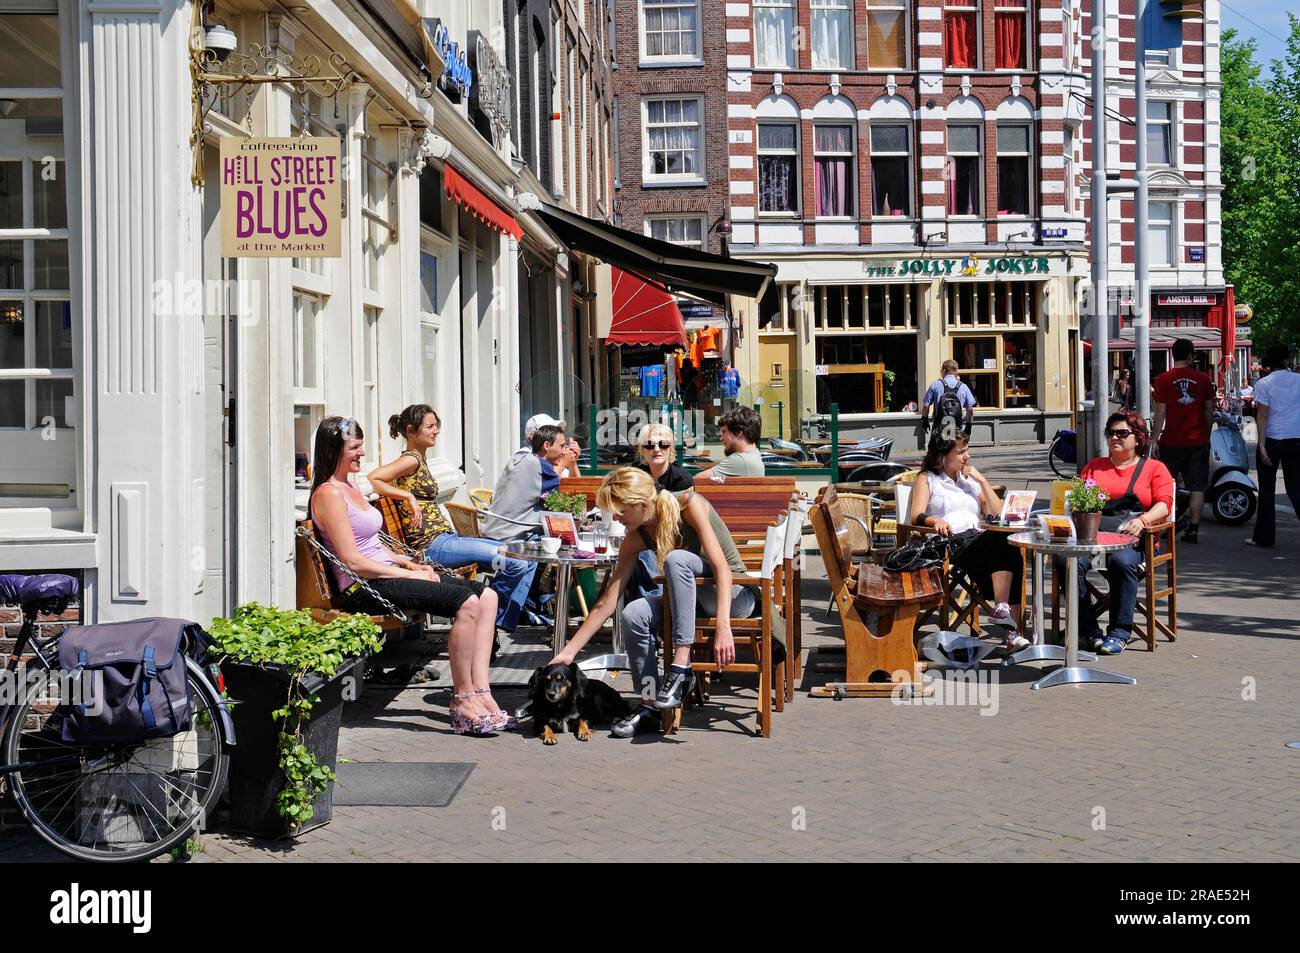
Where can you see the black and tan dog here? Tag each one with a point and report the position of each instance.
(562, 694)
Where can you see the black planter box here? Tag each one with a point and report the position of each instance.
(255, 775)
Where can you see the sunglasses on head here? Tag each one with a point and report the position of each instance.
(662, 445)
(1119, 434)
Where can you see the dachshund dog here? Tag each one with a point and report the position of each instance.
(562, 694)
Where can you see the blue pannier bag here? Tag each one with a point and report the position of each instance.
(143, 691)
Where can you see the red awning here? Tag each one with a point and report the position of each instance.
(469, 197)
(642, 313)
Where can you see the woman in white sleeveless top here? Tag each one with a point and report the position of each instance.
(950, 496)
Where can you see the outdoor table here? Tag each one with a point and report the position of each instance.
(1071, 673)
(565, 561)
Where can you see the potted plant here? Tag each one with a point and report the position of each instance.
(287, 676)
(1085, 502)
(574, 503)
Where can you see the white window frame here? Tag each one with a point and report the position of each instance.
(791, 54)
(690, 178)
(981, 177)
(671, 59)
(844, 7)
(911, 172)
(798, 168)
(1172, 222)
(1029, 165)
(303, 361)
(885, 6)
(1023, 10)
(704, 228)
(978, 12)
(1171, 133)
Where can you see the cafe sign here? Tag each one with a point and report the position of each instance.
(281, 198)
(968, 267)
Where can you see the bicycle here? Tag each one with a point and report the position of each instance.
(1063, 455)
(102, 802)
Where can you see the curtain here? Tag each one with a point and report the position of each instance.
(831, 187)
(886, 31)
(1013, 186)
(773, 28)
(831, 39)
(1010, 34)
(960, 40)
(776, 184)
(964, 186)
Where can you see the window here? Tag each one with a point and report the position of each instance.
(991, 304)
(961, 34)
(673, 139)
(833, 185)
(774, 34)
(887, 34)
(832, 34)
(376, 191)
(1159, 59)
(778, 168)
(688, 232)
(891, 166)
(999, 368)
(1160, 133)
(308, 353)
(1014, 170)
(866, 336)
(1160, 221)
(1009, 20)
(963, 171)
(670, 29)
(1070, 167)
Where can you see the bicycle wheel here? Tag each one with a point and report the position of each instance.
(115, 802)
(1064, 470)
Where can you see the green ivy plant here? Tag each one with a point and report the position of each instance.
(292, 639)
(557, 502)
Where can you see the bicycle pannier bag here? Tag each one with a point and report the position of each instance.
(144, 691)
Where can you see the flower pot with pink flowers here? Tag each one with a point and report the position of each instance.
(1085, 502)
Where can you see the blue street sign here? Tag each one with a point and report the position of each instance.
(1161, 21)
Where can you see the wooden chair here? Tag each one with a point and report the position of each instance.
(465, 520)
(481, 498)
(792, 579)
(754, 634)
(394, 535)
(873, 662)
(748, 505)
(962, 599)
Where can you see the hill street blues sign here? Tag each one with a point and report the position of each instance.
(968, 267)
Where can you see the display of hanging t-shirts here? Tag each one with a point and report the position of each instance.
(652, 380)
(709, 339)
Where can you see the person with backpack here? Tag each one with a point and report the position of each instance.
(949, 405)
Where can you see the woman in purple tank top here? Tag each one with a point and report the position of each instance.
(350, 529)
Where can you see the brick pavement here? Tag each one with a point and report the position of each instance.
(1183, 767)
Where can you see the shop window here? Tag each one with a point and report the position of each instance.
(779, 308)
(832, 34)
(1015, 170)
(1009, 21)
(887, 34)
(774, 34)
(833, 155)
(778, 168)
(867, 373)
(1019, 371)
(1000, 369)
(961, 34)
(891, 170)
(964, 170)
(992, 304)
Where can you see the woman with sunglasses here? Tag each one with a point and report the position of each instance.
(349, 528)
(659, 459)
(1127, 470)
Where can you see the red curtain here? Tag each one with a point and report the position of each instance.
(960, 39)
(1010, 34)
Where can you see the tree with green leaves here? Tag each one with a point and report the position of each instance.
(1261, 180)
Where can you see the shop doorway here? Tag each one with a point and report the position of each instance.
(780, 407)
(217, 592)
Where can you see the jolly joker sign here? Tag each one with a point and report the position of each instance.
(281, 198)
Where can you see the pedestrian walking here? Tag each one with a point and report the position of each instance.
(1277, 402)
(1180, 435)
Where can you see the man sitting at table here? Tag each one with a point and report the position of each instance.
(741, 429)
(524, 483)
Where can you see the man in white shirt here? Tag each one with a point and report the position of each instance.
(1277, 402)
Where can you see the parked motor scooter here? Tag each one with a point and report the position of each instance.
(1231, 493)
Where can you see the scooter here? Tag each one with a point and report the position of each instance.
(1231, 493)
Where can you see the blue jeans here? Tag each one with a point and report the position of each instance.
(513, 579)
(1122, 570)
(643, 577)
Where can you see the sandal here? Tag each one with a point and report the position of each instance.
(503, 720)
(476, 726)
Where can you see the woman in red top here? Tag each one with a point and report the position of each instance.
(1128, 440)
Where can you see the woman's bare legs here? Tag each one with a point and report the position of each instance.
(462, 650)
(484, 634)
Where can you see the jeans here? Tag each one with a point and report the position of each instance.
(1285, 455)
(643, 576)
(513, 579)
(1122, 570)
(642, 617)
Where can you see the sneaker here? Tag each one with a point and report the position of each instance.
(1112, 645)
(1096, 641)
(1251, 542)
(1002, 616)
(674, 689)
(1016, 641)
(639, 722)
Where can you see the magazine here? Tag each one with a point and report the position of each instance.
(561, 526)
(1017, 506)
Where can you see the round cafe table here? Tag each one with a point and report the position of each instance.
(1071, 673)
(565, 562)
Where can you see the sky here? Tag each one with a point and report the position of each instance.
(1262, 20)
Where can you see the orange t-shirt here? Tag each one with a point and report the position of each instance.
(709, 339)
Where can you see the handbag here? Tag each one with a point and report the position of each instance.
(1121, 509)
(926, 551)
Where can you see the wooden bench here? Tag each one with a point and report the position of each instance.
(317, 591)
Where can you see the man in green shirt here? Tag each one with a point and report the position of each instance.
(741, 429)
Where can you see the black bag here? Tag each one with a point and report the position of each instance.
(1121, 509)
(949, 408)
(144, 693)
(925, 551)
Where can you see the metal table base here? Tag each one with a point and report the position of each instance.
(1040, 651)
